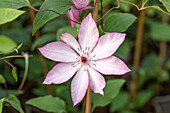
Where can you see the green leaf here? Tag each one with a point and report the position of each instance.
(2, 80)
(166, 3)
(7, 15)
(151, 62)
(67, 29)
(48, 103)
(110, 92)
(3, 92)
(123, 50)
(145, 2)
(43, 17)
(15, 4)
(160, 8)
(118, 22)
(43, 40)
(119, 102)
(6, 44)
(1, 104)
(160, 34)
(141, 99)
(14, 102)
(14, 73)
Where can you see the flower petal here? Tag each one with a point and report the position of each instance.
(61, 73)
(58, 51)
(87, 7)
(107, 45)
(79, 85)
(71, 41)
(88, 34)
(73, 14)
(96, 81)
(80, 3)
(110, 65)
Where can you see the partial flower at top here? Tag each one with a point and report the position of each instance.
(73, 14)
(89, 57)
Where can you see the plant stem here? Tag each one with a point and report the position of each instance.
(101, 14)
(95, 10)
(163, 44)
(25, 72)
(42, 59)
(118, 5)
(137, 54)
(88, 101)
(53, 12)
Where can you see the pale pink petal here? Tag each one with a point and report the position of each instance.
(61, 73)
(73, 14)
(79, 85)
(110, 65)
(87, 7)
(88, 34)
(107, 45)
(80, 3)
(96, 81)
(71, 41)
(58, 51)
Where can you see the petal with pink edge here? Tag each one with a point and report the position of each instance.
(88, 33)
(79, 85)
(73, 14)
(107, 45)
(96, 81)
(61, 73)
(87, 7)
(71, 41)
(80, 3)
(110, 65)
(58, 51)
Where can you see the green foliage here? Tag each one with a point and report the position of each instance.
(14, 73)
(14, 102)
(48, 103)
(18, 35)
(15, 4)
(166, 3)
(160, 34)
(118, 22)
(119, 102)
(7, 15)
(43, 17)
(2, 80)
(3, 93)
(6, 44)
(123, 50)
(141, 99)
(1, 104)
(43, 40)
(67, 29)
(110, 92)
(160, 8)
(151, 62)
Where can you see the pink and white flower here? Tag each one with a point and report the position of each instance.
(90, 58)
(73, 14)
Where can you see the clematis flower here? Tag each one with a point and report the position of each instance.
(73, 14)
(90, 57)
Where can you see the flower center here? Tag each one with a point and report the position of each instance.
(83, 59)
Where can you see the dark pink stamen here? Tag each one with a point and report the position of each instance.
(83, 59)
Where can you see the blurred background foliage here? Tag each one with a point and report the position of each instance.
(153, 78)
